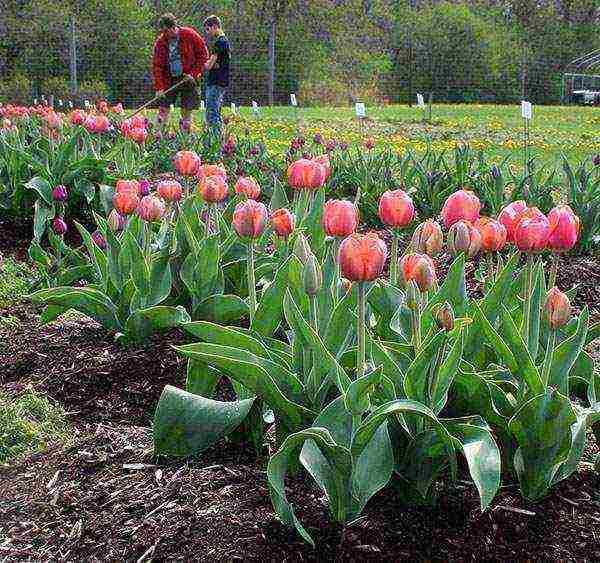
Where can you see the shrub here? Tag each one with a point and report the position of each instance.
(15, 90)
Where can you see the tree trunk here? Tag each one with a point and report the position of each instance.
(272, 37)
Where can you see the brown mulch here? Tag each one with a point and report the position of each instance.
(15, 236)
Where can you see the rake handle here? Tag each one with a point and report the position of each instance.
(158, 97)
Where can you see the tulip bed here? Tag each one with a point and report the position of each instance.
(341, 347)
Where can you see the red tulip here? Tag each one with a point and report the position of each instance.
(206, 170)
(340, 218)
(126, 202)
(213, 189)
(396, 208)
(78, 117)
(128, 186)
(53, 120)
(418, 268)
(138, 135)
(117, 108)
(564, 228)
(463, 237)
(493, 234)
(557, 308)
(186, 163)
(151, 208)
(428, 238)
(509, 217)
(283, 222)
(247, 185)
(250, 218)
(369, 143)
(362, 257)
(532, 231)
(323, 160)
(305, 174)
(169, 190)
(462, 205)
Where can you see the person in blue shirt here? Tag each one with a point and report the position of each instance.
(217, 77)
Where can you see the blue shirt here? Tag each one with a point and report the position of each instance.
(175, 64)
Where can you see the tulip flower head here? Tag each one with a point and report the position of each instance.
(170, 190)
(250, 219)
(340, 218)
(463, 237)
(369, 143)
(99, 240)
(206, 170)
(97, 124)
(493, 234)
(144, 187)
(213, 189)
(557, 308)
(324, 161)
(418, 268)
(116, 221)
(428, 238)
(396, 208)
(78, 117)
(444, 316)
(596, 160)
(462, 205)
(306, 174)
(247, 185)
(59, 226)
(283, 222)
(564, 228)
(509, 217)
(186, 163)
(532, 231)
(151, 208)
(362, 257)
(60, 193)
(53, 120)
(126, 202)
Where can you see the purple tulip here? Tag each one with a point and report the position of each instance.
(116, 221)
(596, 160)
(331, 145)
(318, 139)
(99, 239)
(59, 226)
(60, 193)
(144, 187)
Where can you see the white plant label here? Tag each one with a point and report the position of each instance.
(35, 101)
(202, 105)
(361, 110)
(255, 107)
(421, 101)
(233, 108)
(293, 100)
(526, 110)
(71, 104)
(60, 103)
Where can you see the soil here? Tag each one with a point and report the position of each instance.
(15, 236)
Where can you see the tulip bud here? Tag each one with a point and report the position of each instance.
(596, 160)
(250, 218)
(362, 257)
(369, 143)
(59, 226)
(312, 276)
(418, 268)
(302, 249)
(564, 228)
(59, 193)
(213, 189)
(186, 163)
(493, 234)
(557, 308)
(144, 187)
(169, 190)
(206, 170)
(306, 174)
(462, 237)
(346, 285)
(532, 231)
(340, 218)
(151, 208)
(396, 208)
(509, 217)
(247, 185)
(444, 316)
(116, 221)
(99, 239)
(283, 222)
(462, 205)
(495, 172)
(428, 238)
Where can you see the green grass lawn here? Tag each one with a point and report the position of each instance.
(573, 131)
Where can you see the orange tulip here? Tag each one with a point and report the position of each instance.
(362, 257)
(463, 237)
(206, 170)
(186, 163)
(532, 231)
(250, 218)
(493, 234)
(247, 185)
(78, 117)
(396, 208)
(564, 228)
(340, 218)
(306, 174)
(462, 205)
(213, 189)
(151, 208)
(323, 160)
(128, 186)
(126, 202)
(509, 217)
(428, 238)
(418, 268)
(557, 308)
(169, 190)
(283, 222)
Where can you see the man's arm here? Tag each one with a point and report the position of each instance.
(159, 68)
(201, 54)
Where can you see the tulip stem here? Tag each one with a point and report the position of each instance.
(416, 323)
(337, 273)
(361, 332)
(394, 260)
(548, 358)
(491, 268)
(553, 271)
(527, 300)
(251, 281)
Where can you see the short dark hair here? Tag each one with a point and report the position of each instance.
(212, 21)
(167, 21)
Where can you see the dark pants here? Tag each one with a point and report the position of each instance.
(188, 92)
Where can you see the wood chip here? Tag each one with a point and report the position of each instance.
(517, 510)
(138, 466)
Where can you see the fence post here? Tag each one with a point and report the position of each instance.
(272, 61)
(73, 58)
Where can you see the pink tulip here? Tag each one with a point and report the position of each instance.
(462, 205)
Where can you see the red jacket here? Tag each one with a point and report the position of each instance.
(193, 56)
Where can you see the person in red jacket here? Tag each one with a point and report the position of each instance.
(180, 53)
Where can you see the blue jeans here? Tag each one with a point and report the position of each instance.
(214, 100)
